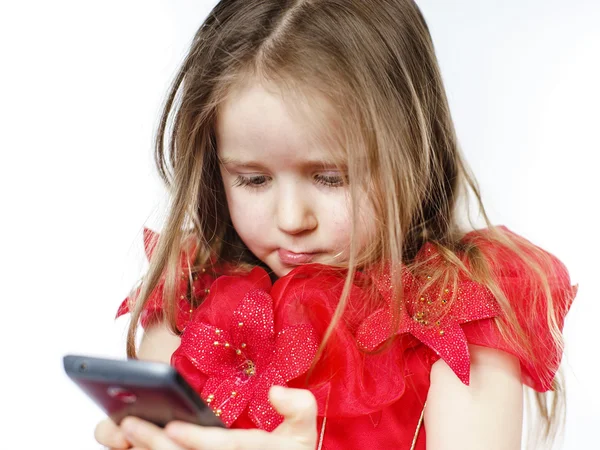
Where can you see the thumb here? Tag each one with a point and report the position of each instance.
(299, 409)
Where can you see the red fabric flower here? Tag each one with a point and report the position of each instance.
(153, 309)
(243, 355)
(426, 318)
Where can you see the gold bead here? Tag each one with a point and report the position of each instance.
(238, 352)
(227, 344)
(218, 412)
(429, 277)
(211, 396)
(203, 270)
(207, 291)
(446, 290)
(233, 394)
(441, 332)
(444, 301)
(241, 324)
(191, 311)
(216, 343)
(243, 345)
(218, 331)
(426, 322)
(422, 299)
(438, 323)
(182, 297)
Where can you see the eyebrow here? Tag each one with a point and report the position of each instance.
(249, 164)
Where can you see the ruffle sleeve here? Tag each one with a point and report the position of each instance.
(474, 315)
(530, 303)
(190, 284)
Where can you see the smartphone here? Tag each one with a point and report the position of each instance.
(152, 391)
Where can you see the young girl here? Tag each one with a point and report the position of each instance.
(315, 282)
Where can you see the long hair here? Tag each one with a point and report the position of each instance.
(374, 64)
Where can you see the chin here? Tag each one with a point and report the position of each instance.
(281, 271)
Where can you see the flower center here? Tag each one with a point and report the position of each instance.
(249, 368)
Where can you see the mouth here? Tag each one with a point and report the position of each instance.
(290, 258)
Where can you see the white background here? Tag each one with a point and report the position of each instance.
(81, 84)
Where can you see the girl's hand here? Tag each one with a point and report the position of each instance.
(110, 435)
(297, 432)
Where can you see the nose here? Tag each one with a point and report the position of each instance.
(295, 210)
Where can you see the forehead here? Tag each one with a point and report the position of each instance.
(259, 120)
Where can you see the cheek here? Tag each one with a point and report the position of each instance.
(249, 217)
(341, 224)
(338, 220)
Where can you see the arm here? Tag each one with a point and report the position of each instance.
(487, 414)
(158, 343)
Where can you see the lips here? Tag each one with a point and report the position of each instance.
(293, 259)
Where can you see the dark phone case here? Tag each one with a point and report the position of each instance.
(155, 392)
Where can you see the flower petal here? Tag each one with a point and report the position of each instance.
(204, 347)
(260, 410)
(296, 348)
(253, 326)
(228, 397)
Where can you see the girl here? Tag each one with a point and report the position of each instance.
(315, 281)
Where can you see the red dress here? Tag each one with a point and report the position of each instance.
(249, 334)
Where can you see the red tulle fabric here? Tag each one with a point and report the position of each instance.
(250, 334)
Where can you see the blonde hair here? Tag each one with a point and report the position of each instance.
(375, 64)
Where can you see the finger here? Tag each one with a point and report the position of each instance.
(110, 435)
(299, 409)
(213, 438)
(147, 435)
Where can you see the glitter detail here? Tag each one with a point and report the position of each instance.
(472, 301)
(270, 359)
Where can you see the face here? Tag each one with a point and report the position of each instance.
(288, 200)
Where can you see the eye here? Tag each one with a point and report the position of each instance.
(331, 179)
(252, 182)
